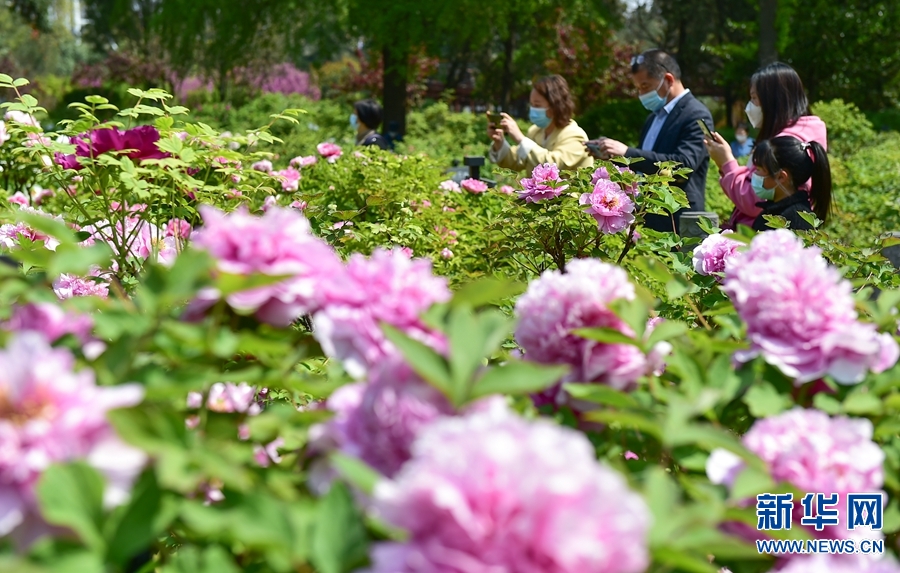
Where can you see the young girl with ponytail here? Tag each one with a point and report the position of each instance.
(783, 166)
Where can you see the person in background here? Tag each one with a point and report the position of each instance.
(393, 134)
(365, 119)
(783, 167)
(777, 107)
(742, 145)
(554, 137)
(671, 132)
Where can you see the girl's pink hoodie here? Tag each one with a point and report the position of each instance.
(735, 180)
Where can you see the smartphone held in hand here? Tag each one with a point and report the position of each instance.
(705, 129)
(494, 120)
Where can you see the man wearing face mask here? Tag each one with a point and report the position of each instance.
(671, 132)
(554, 136)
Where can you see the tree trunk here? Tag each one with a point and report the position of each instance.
(396, 68)
(506, 77)
(768, 35)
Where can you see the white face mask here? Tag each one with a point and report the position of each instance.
(754, 114)
(741, 138)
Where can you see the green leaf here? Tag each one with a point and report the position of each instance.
(427, 363)
(517, 377)
(682, 561)
(827, 403)
(764, 400)
(190, 559)
(863, 404)
(486, 291)
(666, 330)
(601, 394)
(357, 472)
(629, 420)
(749, 482)
(606, 335)
(48, 226)
(71, 495)
(95, 99)
(339, 538)
(662, 496)
(466, 350)
(78, 260)
(142, 520)
(229, 284)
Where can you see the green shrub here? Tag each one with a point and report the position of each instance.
(848, 128)
(621, 120)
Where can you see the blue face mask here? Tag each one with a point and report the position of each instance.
(652, 101)
(756, 181)
(538, 116)
(354, 121)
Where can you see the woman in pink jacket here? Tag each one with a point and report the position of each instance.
(777, 107)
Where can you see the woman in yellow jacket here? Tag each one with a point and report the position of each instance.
(554, 137)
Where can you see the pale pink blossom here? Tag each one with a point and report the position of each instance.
(603, 173)
(544, 183)
(507, 190)
(268, 454)
(4, 135)
(268, 203)
(19, 198)
(800, 314)
(50, 321)
(67, 286)
(386, 287)
(450, 185)
(38, 194)
(278, 243)
(329, 151)
(12, 233)
(22, 118)
(263, 165)
(710, 255)
(300, 161)
(474, 185)
(299, 205)
(290, 178)
(611, 207)
(194, 400)
(36, 139)
(178, 228)
(406, 251)
(51, 413)
(226, 397)
(493, 492)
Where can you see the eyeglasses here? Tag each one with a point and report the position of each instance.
(639, 59)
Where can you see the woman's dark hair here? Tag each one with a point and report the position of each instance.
(793, 155)
(555, 90)
(368, 112)
(781, 97)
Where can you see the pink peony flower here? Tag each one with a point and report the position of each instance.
(51, 321)
(269, 203)
(629, 455)
(800, 314)
(406, 251)
(268, 454)
(507, 190)
(603, 174)
(556, 304)
(300, 161)
(474, 185)
(50, 413)
(329, 151)
(446, 253)
(378, 420)
(450, 185)
(19, 198)
(711, 254)
(814, 453)
(610, 206)
(194, 400)
(290, 178)
(299, 205)
(4, 135)
(479, 489)
(34, 139)
(67, 286)
(264, 165)
(38, 194)
(228, 398)
(178, 228)
(279, 243)
(824, 563)
(544, 183)
(12, 233)
(386, 287)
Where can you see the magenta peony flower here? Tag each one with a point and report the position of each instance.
(290, 178)
(544, 183)
(493, 492)
(19, 198)
(800, 313)
(450, 185)
(178, 228)
(386, 287)
(507, 190)
(265, 166)
(278, 243)
(474, 185)
(50, 413)
(824, 563)
(301, 161)
(711, 254)
(141, 141)
(67, 286)
(378, 420)
(329, 151)
(610, 206)
(51, 321)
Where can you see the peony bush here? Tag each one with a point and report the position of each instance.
(215, 358)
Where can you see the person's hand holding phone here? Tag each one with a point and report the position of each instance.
(495, 130)
(719, 150)
(510, 126)
(593, 147)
